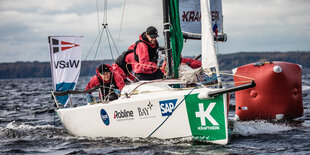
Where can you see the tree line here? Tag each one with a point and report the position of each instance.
(226, 62)
(231, 61)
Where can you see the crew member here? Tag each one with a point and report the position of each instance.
(110, 83)
(145, 54)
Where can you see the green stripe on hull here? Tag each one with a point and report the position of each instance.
(206, 118)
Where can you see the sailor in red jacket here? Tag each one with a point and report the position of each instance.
(145, 54)
(109, 83)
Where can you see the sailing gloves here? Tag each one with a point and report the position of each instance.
(117, 91)
(89, 98)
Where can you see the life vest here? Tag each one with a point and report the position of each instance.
(106, 86)
(153, 55)
(120, 61)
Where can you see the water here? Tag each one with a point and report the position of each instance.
(28, 125)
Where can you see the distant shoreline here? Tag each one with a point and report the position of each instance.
(38, 69)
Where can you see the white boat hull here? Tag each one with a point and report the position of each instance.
(142, 115)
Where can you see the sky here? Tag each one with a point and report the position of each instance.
(251, 26)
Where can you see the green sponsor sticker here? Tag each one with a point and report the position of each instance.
(206, 118)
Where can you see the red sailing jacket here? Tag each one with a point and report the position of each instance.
(190, 62)
(117, 80)
(144, 65)
(118, 70)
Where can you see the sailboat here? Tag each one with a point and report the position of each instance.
(166, 108)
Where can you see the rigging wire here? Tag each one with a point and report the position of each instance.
(92, 46)
(105, 27)
(105, 17)
(99, 37)
(108, 38)
(98, 16)
(98, 45)
(121, 25)
(101, 45)
(108, 34)
(113, 41)
(105, 24)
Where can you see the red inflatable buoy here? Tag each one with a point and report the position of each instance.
(277, 95)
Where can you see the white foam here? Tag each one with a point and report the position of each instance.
(17, 126)
(258, 127)
(304, 87)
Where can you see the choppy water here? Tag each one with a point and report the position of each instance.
(28, 125)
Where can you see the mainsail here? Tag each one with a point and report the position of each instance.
(65, 54)
(190, 16)
(202, 19)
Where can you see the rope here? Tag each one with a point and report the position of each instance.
(110, 87)
(131, 92)
(130, 72)
(176, 89)
(131, 63)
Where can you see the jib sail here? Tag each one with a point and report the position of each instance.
(65, 54)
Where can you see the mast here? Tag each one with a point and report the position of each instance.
(167, 38)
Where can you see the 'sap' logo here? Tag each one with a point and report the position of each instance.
(167, 107)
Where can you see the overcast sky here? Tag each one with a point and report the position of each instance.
(251, 25)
